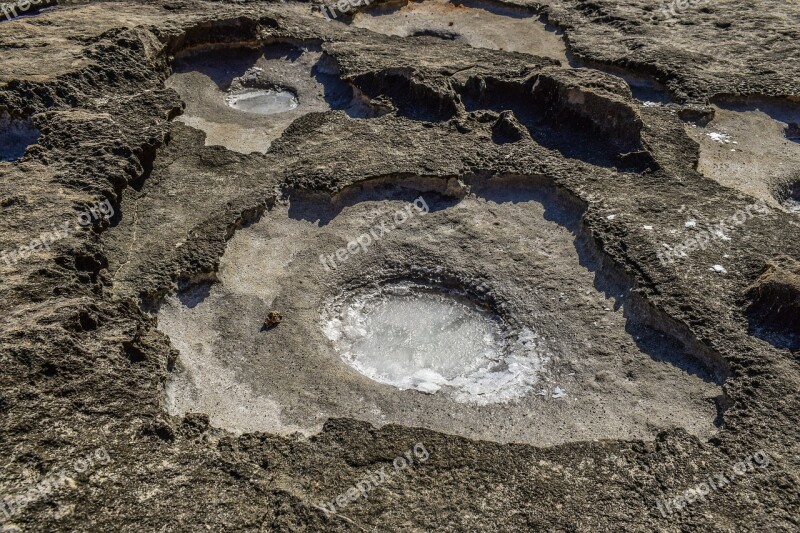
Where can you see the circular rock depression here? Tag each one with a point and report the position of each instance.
(244, 98)
(561, 360)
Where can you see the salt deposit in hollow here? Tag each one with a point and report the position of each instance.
(419, 337)
(262, 101)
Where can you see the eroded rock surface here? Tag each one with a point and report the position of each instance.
(590, 198)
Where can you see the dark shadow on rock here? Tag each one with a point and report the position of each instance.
(339, 94)
(644, 87)
(773, 309)
(552, 123)
(498, 8)
(507, 129)
(439, 34)
(194, 295)
(221, 65)
(320, 208)
(792, 132)
(16, 134)
(13, 10)
(284, 51)
(415, 94)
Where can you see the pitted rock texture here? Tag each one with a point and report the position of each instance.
(84, 365)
